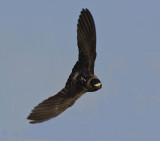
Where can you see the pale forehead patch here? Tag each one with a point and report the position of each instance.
(98, 84)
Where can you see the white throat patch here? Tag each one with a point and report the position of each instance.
(97, 85)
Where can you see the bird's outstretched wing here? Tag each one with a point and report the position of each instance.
(52, 107)
(86, 36)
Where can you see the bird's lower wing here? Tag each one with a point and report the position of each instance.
(52, 107)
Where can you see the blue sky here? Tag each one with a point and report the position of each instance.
(38, 49)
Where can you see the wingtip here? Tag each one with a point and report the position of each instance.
(85, 10)
(32, 121)
(28, 118)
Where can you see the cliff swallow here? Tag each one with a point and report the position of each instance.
(82, 78)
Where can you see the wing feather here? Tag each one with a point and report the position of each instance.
(86, 36)
(51, 107)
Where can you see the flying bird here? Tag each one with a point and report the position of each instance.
(82, 78)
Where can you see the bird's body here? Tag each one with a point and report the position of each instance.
(82, 78)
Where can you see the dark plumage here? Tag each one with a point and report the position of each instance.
(82, 78)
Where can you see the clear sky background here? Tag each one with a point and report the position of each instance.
(38, 48)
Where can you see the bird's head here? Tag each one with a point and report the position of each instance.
(94, 84)
(90, 82)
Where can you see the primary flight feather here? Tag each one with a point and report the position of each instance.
(82, 78)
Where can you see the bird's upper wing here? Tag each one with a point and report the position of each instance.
(86, 36)
(53, 106)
